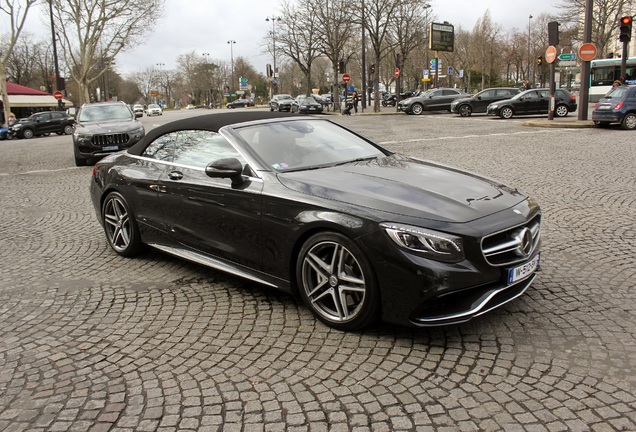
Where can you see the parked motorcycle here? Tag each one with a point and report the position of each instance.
(388, 99)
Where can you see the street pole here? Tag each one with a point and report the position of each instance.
(232, 42)
(529, 78)
(584, 94)
(58, 78)
(273, 19)
(364, 64)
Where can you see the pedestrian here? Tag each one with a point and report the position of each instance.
(11, 121)
(354, 100)
(617, 83)
(526, 85)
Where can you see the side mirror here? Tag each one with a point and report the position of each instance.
(478, 97)
(226, 168)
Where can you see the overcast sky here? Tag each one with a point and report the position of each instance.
(205, 26)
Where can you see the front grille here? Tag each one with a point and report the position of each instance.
(513, 245)
(110, 139)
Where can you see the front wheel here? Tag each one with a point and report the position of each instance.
(27, 133)
(337, 283)
(465, 110)
(417, 109)
(68, 129)
(506, 113)
(120, 226)
(629, 121)
(561, 111)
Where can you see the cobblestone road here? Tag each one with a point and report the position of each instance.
(90, 341)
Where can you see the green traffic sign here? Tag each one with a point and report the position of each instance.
(567, 56)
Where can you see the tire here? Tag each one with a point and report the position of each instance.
(465, 110)
(27, 133)
(629, 121)
(561, 111)
(326, 260)
(383, 103)
(417, 108)
(120, 226)
(506, 113)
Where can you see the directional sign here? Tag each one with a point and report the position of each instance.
(567, 56)
(346, 78)
(567, 63)
(550, 54)
(587, 52)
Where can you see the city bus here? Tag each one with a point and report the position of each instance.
(603, 72)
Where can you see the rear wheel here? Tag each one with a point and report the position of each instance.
(561, 111)
(120, 226)
(465, 110)
(506, 113)
(417, 108)
(629, 121)
(336, 282)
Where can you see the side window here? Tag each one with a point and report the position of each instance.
(162, 148)
(531, 95)
(197, 148)
(44, 117)
(502, 92)
(544, 93)
(488, 94)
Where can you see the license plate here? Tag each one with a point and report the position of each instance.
(110, 148)
(604, 107)
(523, 271)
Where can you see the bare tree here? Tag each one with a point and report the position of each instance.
(484, 38)
(93, 32)
(17, 11)
(605, 16)
(299, 37)
(408, 31)
(145, 81)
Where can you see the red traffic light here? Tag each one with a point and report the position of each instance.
(626, 20)
(625, 34)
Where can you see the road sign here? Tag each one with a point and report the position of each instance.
(567, 56)
(397, 72)
(587, 52)
(346, 78)
(550, 54)
(425, 73)
(450, 70)
(58, 95)
(567, 63)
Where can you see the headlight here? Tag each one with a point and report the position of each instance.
(16, 126)
(435, 245)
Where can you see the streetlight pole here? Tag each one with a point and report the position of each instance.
(232, 42)
(273, 19)
(529, 77)
(428, 35)
(160, 75)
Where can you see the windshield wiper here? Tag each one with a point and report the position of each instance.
(356, 160)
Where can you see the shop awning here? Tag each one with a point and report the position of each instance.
(35, 101)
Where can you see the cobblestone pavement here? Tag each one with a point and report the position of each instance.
(90, 341)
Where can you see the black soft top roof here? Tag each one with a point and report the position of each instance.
(210, 122)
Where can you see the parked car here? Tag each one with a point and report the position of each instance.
(103, 128)
(239, 103)
(280, 102)
(479, 102)
(617, 106)
(43, 123)
(302, 204)
(137, 108)
(5, 134)
(154, 109)
(306, 104)
(190, 107)
(536, 101)
(431, 100)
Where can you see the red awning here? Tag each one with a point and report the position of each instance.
(17, 89)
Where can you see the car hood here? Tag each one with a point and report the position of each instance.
(108, 126)
(407, 187)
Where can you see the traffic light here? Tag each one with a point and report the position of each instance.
(625, 29)
(269, 70)
(341, 66)
(553, 33)
(372, 69)
(540, 60)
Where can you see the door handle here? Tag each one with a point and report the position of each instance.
(175, 175)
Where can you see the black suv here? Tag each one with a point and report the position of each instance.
(535, 101)
(43, 123)
(103, 128)
(617, 106)
(480, 101)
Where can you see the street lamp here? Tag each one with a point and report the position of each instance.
(273, 19)
(232, 42)
(529, 18)
(206, 56)
(161, 65)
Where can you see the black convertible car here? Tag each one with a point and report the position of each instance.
(303, 204)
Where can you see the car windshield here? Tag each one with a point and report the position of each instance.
(104, 112)
(306, 144)
(307, 100)
(153, 106)
(284, 97)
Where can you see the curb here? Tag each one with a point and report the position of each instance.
(565, 124)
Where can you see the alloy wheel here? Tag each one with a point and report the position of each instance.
(561, 111)
(120, 226)
(506, 112)
(417, 109)
(465, 110)
(629, 121)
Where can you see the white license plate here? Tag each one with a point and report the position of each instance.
(604, 107)
(110, 148)
(523, 271)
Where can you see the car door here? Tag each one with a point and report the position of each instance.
(543, 102)
(433, 101)
(55, 125)
(444, 101)
(42, 123)
(481, 102)
(208, 214)
(527, 104)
